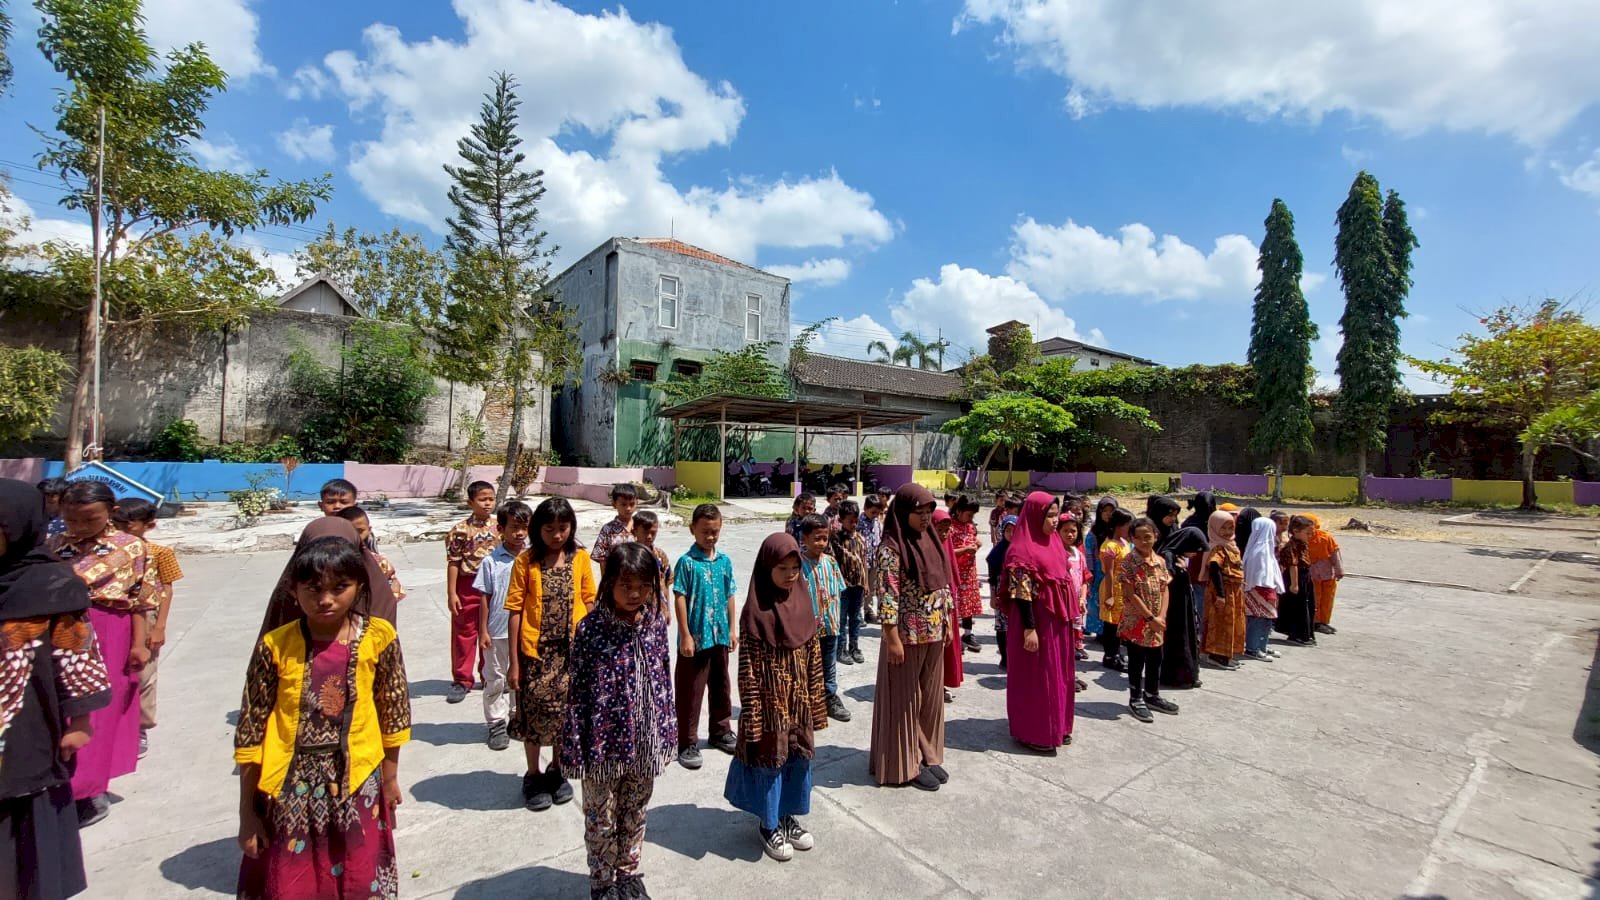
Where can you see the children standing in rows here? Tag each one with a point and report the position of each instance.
(996, 562)
(362, 523)
(824, 584)
(137, 517)
(1114, 548)
(1077, 579)
(645, 528)
(1144, 579)
(871, 528)
(618, 732)
(1223, 571)
(123, 588)
(850, 551)
(56, 679)
(552, 589)
(465, 546)
(325, 712)
(1327, 570)
(704, 593)
(964, 552)
(1263, 583)
(625, 500)
(781, 700)
(493, 581)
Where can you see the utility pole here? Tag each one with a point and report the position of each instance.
(94, 450)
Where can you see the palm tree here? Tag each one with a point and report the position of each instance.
(884, 355)
(911, 349)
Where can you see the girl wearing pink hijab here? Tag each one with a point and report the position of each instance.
(1036, 595)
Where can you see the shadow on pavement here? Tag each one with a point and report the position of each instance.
(1105, 712)
(982, 736)
(479, 790)
(212, 866)
(836, 767)
(862, 692)
(433, 687)
(534, 881)
(699, 831)
(443, 734)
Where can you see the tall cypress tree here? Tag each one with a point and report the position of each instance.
(1369, 360)
(499, 263)
(1402, 240)
(1281, 332)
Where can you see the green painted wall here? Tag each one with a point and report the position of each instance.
(643, 439)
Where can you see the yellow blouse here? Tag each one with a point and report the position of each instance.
(525, 596)
(1112, 553)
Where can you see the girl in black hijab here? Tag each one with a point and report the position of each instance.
(1201, 506)
(1180, 652)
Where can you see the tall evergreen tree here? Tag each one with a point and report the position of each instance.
(1402, 240)
(499, 261)
(1369, 360)
(1281, 333)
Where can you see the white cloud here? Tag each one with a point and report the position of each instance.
(307, 83)
(304, 141)
(605, 77)
(228, 28)
(963, 303)
(850, 337)
(31, 228)
(1584, 178)
(1354, 156)
(1061, 260)
(222, 153)
(1519, 67)
(820, 272)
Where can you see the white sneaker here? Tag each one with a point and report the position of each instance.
(799, 838)
(776, 844)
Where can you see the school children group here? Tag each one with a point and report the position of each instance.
(584, 666)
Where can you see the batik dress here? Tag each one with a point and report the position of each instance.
(1225, 615)
(1146, 581)
(964, 584)
(542, 694)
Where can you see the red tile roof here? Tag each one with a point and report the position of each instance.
(672, 245)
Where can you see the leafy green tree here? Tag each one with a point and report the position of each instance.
(33, 379)
(1011, 421)
(364, 409)
(1369, 360)
(1402, 242)
(748, 371)
(1281, 332)
(1575, 426)
(395, 276)
(1057, 382)
(1536, 368)
(499, 261)
(5, 48)
(166, 257)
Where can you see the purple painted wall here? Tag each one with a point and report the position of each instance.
(1586, 493)
(1409, 490)
(30, 470)
(1062, 482)
(1244, 485)
(412, 481)
(662, 476)
(889, 478)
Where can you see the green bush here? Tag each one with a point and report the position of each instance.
(33, 379)
(874, 456)
(364, 410)
(178, 442)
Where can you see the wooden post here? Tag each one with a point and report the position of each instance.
(722, 452)
(913, 450)
(794, 485)
(855, 489)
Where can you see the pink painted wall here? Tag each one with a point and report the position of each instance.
(30, 469)
(412, 481)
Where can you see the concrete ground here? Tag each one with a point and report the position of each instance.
(1443, 744)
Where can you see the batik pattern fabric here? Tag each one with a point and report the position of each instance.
(849, 550)
(619, 719)
(542, 691)
(165, 562)
(468, 542)
(387, 568)
(1225, 615)
(920, 614)
(611, 534)
(1146, 582)
(825, 584)
(782, 702)
(1112, 553)
(116, 567)
(614, 812)
(964, 577)
(53, 663)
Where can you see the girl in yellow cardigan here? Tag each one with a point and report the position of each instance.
(325, 712)
(552, 588)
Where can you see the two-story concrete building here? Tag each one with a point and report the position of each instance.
(649, 308)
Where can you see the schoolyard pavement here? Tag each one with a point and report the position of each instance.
(1443, 744)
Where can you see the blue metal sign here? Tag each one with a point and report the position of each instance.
(120, 484)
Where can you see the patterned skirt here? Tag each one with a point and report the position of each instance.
(541, 695)
(323, 844)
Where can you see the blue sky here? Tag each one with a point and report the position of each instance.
(1095, 168)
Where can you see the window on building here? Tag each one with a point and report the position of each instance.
(752, 318)
(1094, 363)
(686, 368)
(668, 295)
(871, 399)
(640, 370)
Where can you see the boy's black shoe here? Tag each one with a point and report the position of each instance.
(1326, 629)
(1114, 663)
(970, 641)
(1140, 711)
(856, 655)
(498, 738)
(536, 789)
(925, 781)
(844, 659)
(836, 710)
(455, 693)
(560, 788)
(1161, 705)
(92, 810)
(631, 888)
(727, 742)
(938, 772)
(689, 757)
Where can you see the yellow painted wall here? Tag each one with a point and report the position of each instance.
(1107, 481)
(1019, 478)
(1319, 487)
(936, 480)
(700, 477)
(1464, 490)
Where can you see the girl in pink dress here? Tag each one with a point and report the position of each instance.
(964, 543)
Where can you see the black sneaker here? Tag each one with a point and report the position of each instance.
(689, 757)
(925, 781)
(498, 738)
(856, 656)
(836, 710)
(1114, 663)
(799, 837)
(971, 643)
(1162, 705)
(727, 742)
(456, 693)
(1258, 657)
(92, 810)
(536, 791)
(1326, 629)
(561, 788)
(631, 888)
(775, 843)
(938, 772)
(1140, 711)
(844, 659)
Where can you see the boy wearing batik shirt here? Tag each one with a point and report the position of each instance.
(871, 528)
(465, 546)
(825, 585)
(850, 552)
(625, 500)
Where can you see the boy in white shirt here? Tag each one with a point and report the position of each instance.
(493, 580)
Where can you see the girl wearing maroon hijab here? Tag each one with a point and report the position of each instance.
(1037, 602)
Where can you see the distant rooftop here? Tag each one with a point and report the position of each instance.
(673, 245)
(821, 370)
(1056, 346)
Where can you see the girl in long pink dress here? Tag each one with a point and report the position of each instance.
(1035, 591)
(943, 529)
(964, 545)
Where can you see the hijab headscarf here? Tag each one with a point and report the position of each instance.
(1100, 528)
(1035, 547)
(1202, 505)
(922, 556)
(1182, 542)
(1158, 507)
(1247, 522)
(32, 581)
(1214, 539)
(283, 608)
(1261, 557)
(777, 619)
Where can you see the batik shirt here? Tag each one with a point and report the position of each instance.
(116, 567)
(612, 533)
(166, 563)
(825, 584)
(919, 612)
(706, 584)
(1145, 581)
(1112, 553)
(850, 552)
(469, 542)
(871, 533)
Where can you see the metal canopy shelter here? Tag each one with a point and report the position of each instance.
(725, 411)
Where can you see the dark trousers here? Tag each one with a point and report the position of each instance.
(1144, 671)
(694, 675)
(830, 661)
(1110, 641)
(850, 625)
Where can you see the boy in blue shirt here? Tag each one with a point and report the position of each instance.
(493, 580)
(704, 593)
(825, 584)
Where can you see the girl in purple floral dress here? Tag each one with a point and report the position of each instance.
(620, 730)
